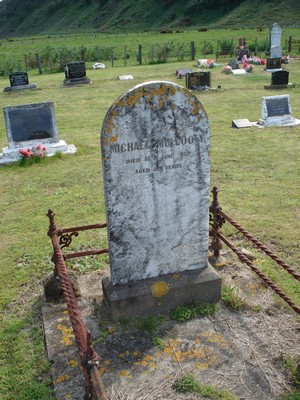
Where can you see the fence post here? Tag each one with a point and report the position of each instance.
(82, 53)
(112, 56)
(290, 44)
(218, 50)
(38, 62)
(140, 55)
(26, 67)
(204, 49)
(125, 56)
(193, 50)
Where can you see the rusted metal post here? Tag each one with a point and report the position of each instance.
(216, 223)
(88, 355)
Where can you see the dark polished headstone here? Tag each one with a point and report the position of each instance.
(75, 73)
(197, 80)
(273, 63)
(280, 78)
(18, 79)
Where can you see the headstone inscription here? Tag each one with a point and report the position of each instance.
(29, 125)
(277, 111)
(155, 152)
(75, 73)
(19, 81)
(196, 80)
(18, 78)
(273, 64)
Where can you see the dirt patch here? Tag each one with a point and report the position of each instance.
(241, 351)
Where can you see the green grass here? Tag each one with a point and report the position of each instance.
(190, 311)
(255, 170)
(188, 384)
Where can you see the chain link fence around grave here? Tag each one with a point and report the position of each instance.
(51, 59)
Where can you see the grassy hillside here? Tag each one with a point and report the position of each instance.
(65, 16)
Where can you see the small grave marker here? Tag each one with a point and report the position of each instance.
(241, 123)
(19, 81)
(196, 80)
(75, 74)
(28, 125)
(155, 151)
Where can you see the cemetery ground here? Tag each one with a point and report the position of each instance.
(256, 171)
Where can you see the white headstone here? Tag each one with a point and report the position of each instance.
(275, 38)
(155, 147)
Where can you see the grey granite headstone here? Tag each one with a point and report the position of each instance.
(155, 150)
(28, 125)
(277, 111)
(275, 41)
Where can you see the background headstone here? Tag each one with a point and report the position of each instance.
(197, 80)
(277, 111)
(275, 41)
(75, 73)
(155, 151)
(273, 63)
(29, 125)
(280, 78)
(18, 78)
(19, 81)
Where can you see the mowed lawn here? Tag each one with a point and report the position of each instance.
(256, 172)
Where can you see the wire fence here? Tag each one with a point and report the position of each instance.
(52, 58)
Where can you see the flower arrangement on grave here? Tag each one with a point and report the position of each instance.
(248, 67)
(285, 59)
(35, 154)
(207, 64)
(227, 69)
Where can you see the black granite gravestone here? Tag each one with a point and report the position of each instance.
(197, 80)
(273, 63)
(280, 78)
(18, 79)
(75, 70)
(30, 122)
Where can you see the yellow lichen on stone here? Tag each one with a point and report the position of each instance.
(62, 378)
(72, 363)
(159, 289)
(67, 334)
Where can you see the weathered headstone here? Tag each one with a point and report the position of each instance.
(29, 125)
(275, 41)
(19, 81)
(75, 74)
(277, 111)
(196, 80)
(156, 166)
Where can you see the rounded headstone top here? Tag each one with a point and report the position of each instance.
(152, 101)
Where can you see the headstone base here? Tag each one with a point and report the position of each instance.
(272, 69)
(76, 81)
(20, 87)
(277, 86)
(11, 154)
(161, 294)
(279, 121)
